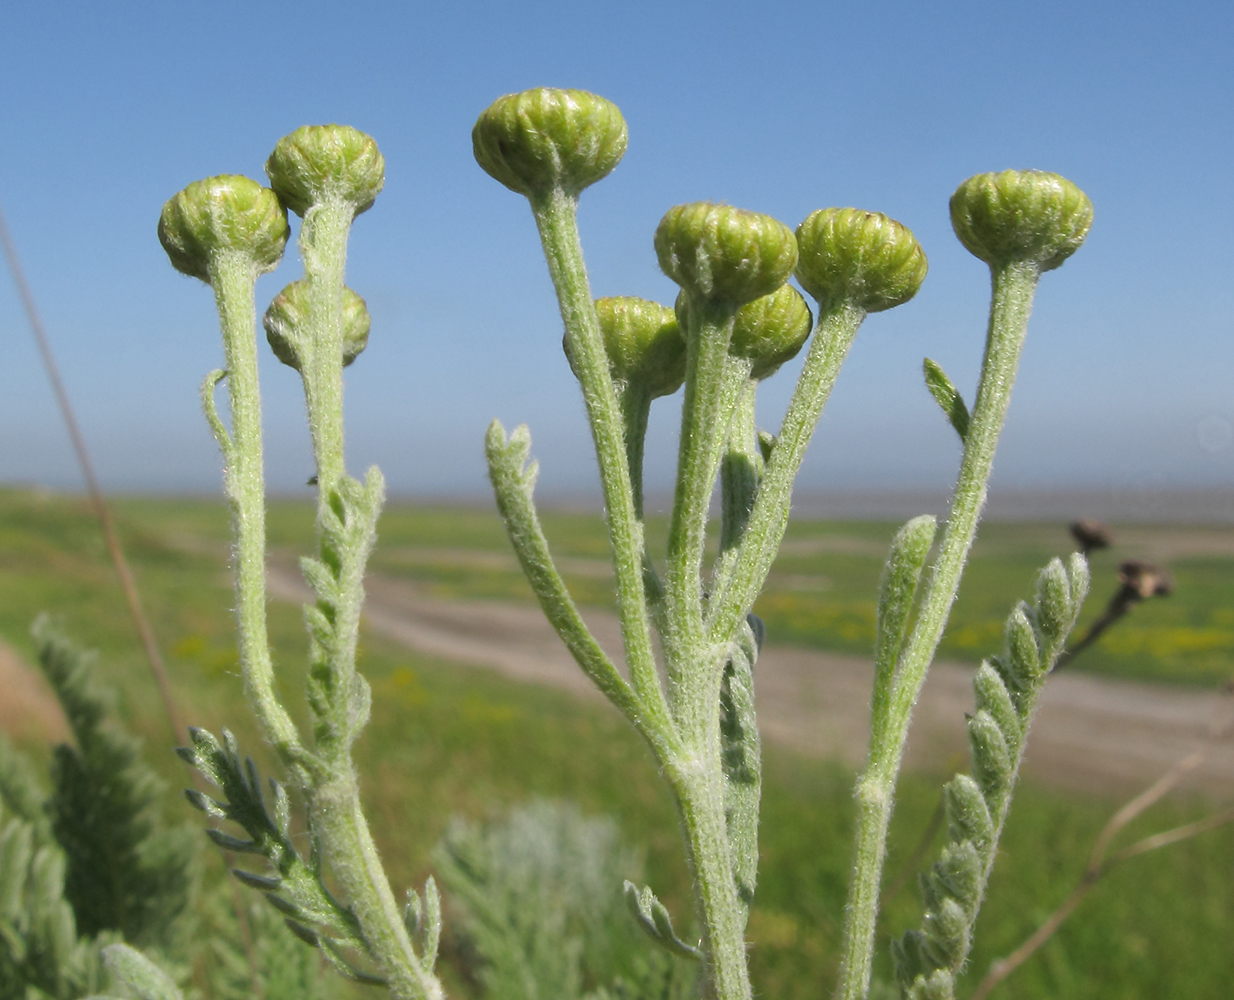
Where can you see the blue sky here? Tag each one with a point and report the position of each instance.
(1128, 377)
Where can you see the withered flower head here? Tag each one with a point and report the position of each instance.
(1145, 580)
(1090, 534)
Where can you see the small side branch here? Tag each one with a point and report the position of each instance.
(513, 481)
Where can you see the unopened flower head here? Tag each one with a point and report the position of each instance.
(723, 254)
(547, 139)
(1021, 217)
(286, 323)
(768, 331)
(771, 330)
(228, 214)
(643, 343)
(1144, 580)
(1090, 534)
(862, 258)
(321, 163)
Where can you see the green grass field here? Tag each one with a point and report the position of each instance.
(822, 590)
(445, 740)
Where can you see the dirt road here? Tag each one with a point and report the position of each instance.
(28, 709)
(1091, 734)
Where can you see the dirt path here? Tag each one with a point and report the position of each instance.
(28, 709)
(1091, 734)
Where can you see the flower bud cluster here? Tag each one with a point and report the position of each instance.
(231, 214)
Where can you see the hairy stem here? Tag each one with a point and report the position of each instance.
(555, 215)
(1013, 289)
(335, 799)
(323, 245)
(710, 329)
(874, 792)
(233, 277)
(740, 470)
(635, 403)
(738, 585)
(696, 774)
(699, 785)
(688, 742)
(353, 859)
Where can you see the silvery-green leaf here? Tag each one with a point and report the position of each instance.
(136, 973)
(947, 396)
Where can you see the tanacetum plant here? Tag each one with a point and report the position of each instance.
(690, 640)
(738, 321)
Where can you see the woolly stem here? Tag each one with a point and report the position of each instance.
(738, 585)
(702, 431)
(352, 855)
(1013, 289)
(323, 245)
(556, 219)
(233, 277)
(698, 782)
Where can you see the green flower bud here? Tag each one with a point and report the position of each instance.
(863, 258)
(643, 343)
(318, 163)
(543, 139)
(1021, 216)
(356, 324)
(771, 330)
(724, 254)
(286, 323)
(225, 214)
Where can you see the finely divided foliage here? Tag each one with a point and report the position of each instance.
(691, 643)
(124, 872)
(1006, 688)
(540, 911)
(89, 862)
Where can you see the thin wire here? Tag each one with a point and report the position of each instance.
(127, 582)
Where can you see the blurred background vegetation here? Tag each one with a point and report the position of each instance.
(453, 742)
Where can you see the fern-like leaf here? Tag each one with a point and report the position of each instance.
(542, 915)
(292, 884)
(1006, 689)
(41, 951)
(125, 871)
